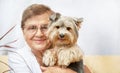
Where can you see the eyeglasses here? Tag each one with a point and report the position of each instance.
(34, 28)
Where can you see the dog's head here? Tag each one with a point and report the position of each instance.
(63, 30)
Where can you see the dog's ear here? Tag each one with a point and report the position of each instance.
(55, 16)
(78, 22)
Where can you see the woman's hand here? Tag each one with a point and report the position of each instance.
(56, 69)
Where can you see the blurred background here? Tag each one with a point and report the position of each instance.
(99, 34)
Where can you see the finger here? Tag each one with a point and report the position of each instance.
(43, 68)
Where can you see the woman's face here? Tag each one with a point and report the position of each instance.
(35, 31)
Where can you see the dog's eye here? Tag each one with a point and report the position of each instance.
(57, 27)
(68, 28)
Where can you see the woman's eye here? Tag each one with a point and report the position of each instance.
(45, 27)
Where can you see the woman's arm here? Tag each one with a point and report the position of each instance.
(61, 70)
(56, 69)
(17, 63)
(86, 69)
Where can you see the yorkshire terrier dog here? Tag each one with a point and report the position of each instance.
(64, 51)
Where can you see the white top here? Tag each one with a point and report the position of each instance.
(23, 61)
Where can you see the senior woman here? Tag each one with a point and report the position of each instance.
(28, 59)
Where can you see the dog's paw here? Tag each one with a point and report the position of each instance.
(63, 63)
(49, 58)
(63, 58)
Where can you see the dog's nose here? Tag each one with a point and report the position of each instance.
(61, 35)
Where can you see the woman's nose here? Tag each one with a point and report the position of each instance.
(39, 33)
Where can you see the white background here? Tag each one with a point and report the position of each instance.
(100, 31)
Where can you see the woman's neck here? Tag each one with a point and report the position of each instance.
(38, 54)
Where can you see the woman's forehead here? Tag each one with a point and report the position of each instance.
(40, 19)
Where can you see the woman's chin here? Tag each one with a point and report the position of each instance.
(40, 47)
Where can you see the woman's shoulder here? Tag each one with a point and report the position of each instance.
(22, 52)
